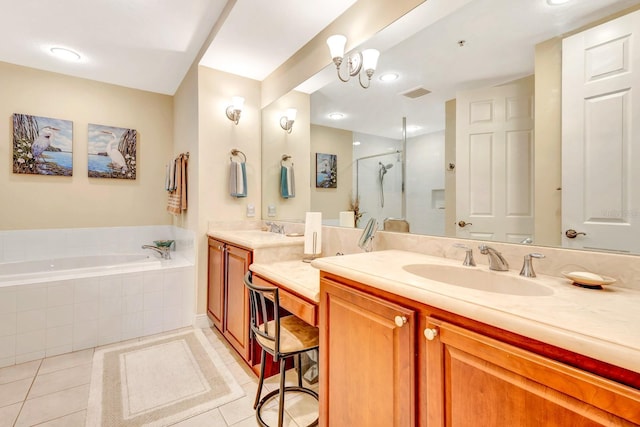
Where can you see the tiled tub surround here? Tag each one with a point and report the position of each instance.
(74, 311)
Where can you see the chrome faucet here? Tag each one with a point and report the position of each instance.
(162, 250)
(496, 260)
(275, 228)
(468, 258)
(527, 266)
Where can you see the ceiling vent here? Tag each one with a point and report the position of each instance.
(416, 92)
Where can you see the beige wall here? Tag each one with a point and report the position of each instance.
(37, 201)
(217, 136)
(185, 139)
(275, 143)
(450, 175)
(548, 143)
(330, 201)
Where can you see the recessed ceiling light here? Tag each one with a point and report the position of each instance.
(356, 142)
(556, 2)
(388, 77)
(64, 53)
(336, 116)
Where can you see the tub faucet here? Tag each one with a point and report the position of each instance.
(496, 260)
(162, 250)
(275, 228)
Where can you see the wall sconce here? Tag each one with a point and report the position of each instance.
(367, 60)
(286, 122)
(234, 110)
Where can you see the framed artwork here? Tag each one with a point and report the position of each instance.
(326, 170)
(42, 145)
(112, 152)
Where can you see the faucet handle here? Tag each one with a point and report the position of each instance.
(468, 258)
(527, 266)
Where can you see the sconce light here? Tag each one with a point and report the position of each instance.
(286, 122)
(366, 61)
(234, 110)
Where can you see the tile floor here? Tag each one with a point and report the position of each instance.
(54, 392)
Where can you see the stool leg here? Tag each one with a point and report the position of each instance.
(282, 386)
(299, 369)
(261, 381)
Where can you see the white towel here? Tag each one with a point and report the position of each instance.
(240, 179)
(237, 179)
(291, 181)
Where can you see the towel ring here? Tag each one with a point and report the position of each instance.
(236, 152)
(285, 157)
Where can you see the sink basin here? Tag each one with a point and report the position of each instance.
(482, 280)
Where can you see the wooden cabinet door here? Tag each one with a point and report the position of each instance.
(215, 287)
(236, 323)
(367, 362)
(474, 380)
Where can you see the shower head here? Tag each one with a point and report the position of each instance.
(383, 168)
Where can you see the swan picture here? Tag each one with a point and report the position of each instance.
(112, 152)
(42, 145)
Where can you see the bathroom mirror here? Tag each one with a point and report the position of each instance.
(394, 141)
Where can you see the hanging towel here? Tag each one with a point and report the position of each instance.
(167, 181)
(238, 179)
(291, 181)
(178, 196)
(287, 182)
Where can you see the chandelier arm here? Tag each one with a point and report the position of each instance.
(368, 81)
(340, 77)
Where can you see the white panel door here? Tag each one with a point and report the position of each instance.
(600, 147)
(494, 154)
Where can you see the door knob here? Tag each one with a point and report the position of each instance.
(572, 234)
(463, 224)
(430, 333)
(400, 321)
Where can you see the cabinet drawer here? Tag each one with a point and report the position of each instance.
(294, 304)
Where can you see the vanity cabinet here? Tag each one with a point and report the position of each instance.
(436, 368)
(227, 297)
(367, 359)
(471, 377)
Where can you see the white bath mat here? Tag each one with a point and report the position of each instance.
(157, 382)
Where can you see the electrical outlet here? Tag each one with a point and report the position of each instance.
(251, 210)
(271, 211)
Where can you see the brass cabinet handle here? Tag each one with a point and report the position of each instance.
(463, 224)
(430, 333)
(400, 321)
(572, 234)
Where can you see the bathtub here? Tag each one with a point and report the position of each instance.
(15, 273)
(56, 306)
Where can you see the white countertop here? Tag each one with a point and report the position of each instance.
(256, 239)
(297, 276)
(602, 324)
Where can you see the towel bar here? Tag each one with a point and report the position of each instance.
(236, 152)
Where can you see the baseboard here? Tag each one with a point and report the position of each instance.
(202, 321)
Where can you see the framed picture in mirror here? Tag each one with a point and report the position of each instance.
(326, 170)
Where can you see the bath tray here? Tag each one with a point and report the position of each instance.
(588, 280)
(163, 243)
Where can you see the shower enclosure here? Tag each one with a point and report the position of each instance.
(379, 186)
(401, 178)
